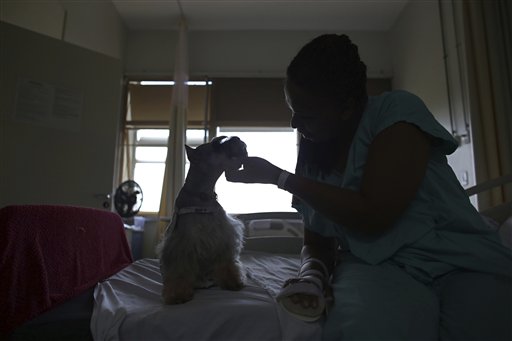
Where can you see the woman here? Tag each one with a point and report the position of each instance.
(388, 228)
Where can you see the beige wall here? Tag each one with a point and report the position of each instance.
(418, 66)
(241, 53)
(94, 25)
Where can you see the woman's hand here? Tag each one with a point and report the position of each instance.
(255, 170)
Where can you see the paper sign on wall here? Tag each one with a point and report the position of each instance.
(45, 104)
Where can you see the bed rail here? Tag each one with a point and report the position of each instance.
(487, 185)
(501, 212)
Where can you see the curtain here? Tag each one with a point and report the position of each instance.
(128, 146)
(174, 175)
(488, 33)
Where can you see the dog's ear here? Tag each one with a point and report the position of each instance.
(190, 152)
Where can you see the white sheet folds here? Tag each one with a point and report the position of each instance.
(128, 306)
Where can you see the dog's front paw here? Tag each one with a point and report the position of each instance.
(177, 293)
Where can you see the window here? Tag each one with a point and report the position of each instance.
(149, 165)
(146, 133)
(239, 107)
(278, 146)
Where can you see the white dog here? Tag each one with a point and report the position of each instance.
(202, 244)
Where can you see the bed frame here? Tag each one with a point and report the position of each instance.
(499, 213)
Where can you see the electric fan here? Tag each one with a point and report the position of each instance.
(128, 199)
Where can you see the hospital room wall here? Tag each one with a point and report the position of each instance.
(151, 53)
(239, 53)
(94, 25)
(418, 65)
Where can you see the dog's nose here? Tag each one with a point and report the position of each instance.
(228, 139)
(233, 146)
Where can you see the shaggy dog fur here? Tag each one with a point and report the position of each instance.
(202, 244)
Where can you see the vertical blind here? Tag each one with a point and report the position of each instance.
(234, 102)
(151, 104)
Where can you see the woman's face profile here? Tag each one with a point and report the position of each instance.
(317, 118)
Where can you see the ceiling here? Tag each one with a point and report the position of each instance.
(316, 15)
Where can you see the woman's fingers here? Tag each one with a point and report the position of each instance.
(254, 170)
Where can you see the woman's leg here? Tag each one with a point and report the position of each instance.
(380, 302)
(475, 306)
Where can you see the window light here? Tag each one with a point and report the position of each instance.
(192, 83)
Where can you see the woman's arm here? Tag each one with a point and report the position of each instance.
(396, 164)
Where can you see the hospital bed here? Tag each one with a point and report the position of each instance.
(499, 216)
(67, 273)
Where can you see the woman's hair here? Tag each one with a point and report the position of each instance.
(329, 66)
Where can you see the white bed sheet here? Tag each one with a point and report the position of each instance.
(128, 306)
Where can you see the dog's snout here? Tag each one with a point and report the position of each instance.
(232, 146)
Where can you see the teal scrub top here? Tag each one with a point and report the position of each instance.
(441, 230)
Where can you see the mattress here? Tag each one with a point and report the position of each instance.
(128, 306)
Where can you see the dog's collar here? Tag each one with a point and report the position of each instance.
(197, 210)
(189, 210)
